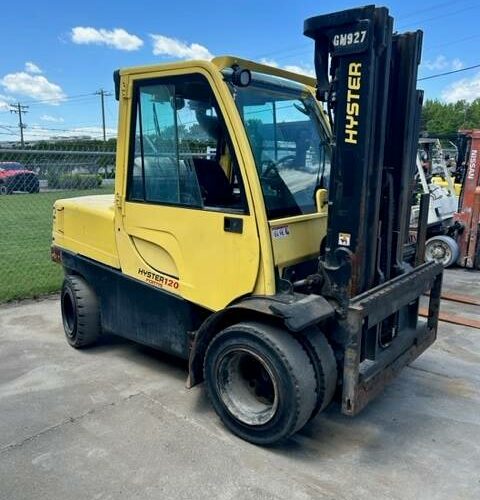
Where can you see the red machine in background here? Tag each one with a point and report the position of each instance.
(468, 215)
(460, 242)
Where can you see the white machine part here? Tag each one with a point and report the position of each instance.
(443, 201)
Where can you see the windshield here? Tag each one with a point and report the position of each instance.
(289, 143)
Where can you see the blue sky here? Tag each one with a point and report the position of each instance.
(74, 47)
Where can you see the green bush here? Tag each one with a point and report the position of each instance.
(53, 178)
(74, 181)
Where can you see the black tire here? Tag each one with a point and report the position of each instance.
(442, 249)
(4, 189)
(34, 186)
(325, 365)
(260, 381)
(80, 312)
(15, 184)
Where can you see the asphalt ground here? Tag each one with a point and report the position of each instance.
(116, 421)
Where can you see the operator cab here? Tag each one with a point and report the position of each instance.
(200, 142)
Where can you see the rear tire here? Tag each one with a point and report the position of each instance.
(80, 312)
(260, 381)
(442, 249)
(34, 187)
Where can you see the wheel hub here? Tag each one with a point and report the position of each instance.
(247, 386)
(440, 252)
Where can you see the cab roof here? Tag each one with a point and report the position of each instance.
(220, 63)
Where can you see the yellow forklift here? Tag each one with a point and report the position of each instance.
(258, 224)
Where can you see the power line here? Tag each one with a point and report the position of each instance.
(304, 48)
(67, 99)
(307, 49)
(450, 42)
(438, 75)
(18, 109)
(102, 93)
(427, 9)
(56, 99)
(423, 21)
(42, 132)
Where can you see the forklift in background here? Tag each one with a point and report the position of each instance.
(259, 236)
(442, 192)
(460, 241)
(437, 163)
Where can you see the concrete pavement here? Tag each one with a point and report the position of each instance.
(116, 421)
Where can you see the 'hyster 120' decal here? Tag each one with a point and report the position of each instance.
(158, 279)
(353, 102)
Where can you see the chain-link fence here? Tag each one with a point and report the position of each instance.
(31, 179)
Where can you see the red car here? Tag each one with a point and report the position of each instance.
(15, 177)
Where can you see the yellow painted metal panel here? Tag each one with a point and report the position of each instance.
(214, 267)
(85, 225)
(295, 239)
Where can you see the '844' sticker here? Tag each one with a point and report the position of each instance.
(280, 232)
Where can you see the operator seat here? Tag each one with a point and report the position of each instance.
(214, 184)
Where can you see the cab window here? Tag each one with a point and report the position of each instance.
(289, 143)
(181, 153)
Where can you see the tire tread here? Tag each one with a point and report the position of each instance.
(88, 313)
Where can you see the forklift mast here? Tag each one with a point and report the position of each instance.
(366, 76)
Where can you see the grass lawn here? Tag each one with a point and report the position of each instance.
(26, 227)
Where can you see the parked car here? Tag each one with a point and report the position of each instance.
(16, 177)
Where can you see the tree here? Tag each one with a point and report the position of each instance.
(444, 120)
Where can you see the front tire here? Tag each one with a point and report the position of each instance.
(80, 312)
(442, 249)
(260, 381)
(325, 365)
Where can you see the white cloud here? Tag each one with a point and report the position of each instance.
(294, 68)
(457, 64)
(31, 67)
(53, 119)
(38, 132)
(442, 63)
(117, 38)
(269, 62)
(4, 103)
(303, 70)
(165, 46)
(35, 86)
(466, 89)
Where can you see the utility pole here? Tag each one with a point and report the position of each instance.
(18, 109)
(102, 93)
